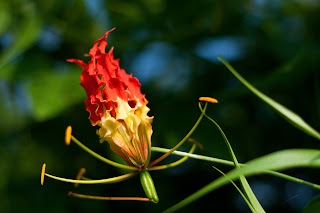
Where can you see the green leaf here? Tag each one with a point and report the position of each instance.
(280, 160)
(313, 205)
(292, 117)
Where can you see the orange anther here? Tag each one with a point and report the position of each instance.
(208, 99)
(68, 135)
(42, 173)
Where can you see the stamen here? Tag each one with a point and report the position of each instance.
(208, 99)
(176, 163)
(112, 163)
(72, 194)
(108, 180)
(42, 173)
(182, 141)
(79, 176)
(68, 135)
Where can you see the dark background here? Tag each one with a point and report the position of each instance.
(171, 46)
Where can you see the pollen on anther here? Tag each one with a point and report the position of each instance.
(68, 135)
(42, 173)
(208, 99)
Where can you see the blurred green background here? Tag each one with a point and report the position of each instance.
(171, 46)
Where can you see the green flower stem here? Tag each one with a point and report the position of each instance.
(112, 163)
(230, 163)
(182, 141)
(178, 162)
(108, 180)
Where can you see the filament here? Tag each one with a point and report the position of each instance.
(72, 194)
(182, 141)
(178, 162)
(108, 180)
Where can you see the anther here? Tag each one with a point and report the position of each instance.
(42, 173)
(208, 99)
(68, 135)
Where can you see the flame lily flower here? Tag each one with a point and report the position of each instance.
(115, 104)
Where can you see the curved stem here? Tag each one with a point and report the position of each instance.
(112, 163)
(182, 141)
(108, 180)
(178, 162)
(230, 163)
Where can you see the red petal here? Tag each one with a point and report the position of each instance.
(105, 82)
(79, 62)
